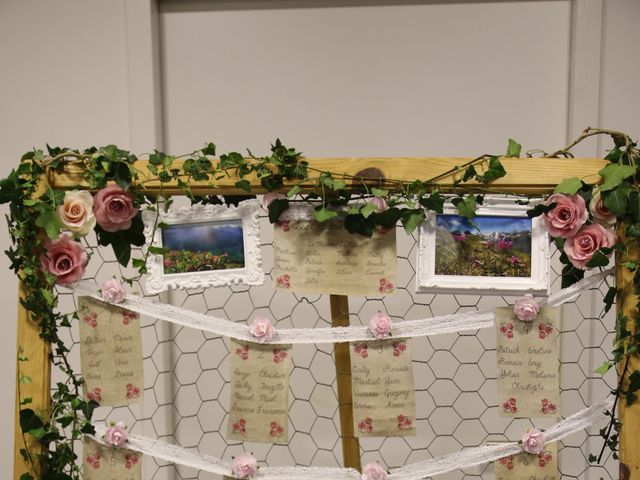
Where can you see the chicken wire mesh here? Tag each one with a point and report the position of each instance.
(187, 381)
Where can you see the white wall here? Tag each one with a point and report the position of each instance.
(436, 79)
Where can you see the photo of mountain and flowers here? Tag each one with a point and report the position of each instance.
(48, 228)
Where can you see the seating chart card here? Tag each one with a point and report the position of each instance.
(101, 462)
(382, 382)
(259, 392)
(528, 364)
(110, 353)
(528, 466)
(323, 257)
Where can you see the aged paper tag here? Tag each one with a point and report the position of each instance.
(101, 462)
(528, 466)
(382, 381)
(527, 355)
(259, 392)
(110, 353)
(316, 257)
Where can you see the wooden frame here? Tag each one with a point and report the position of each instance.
(522, 177)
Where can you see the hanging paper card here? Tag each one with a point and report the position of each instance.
(259, 392)
(101, 462)
(528, 466)
(110, 353)
(382, 383)
(323, 257)
(527, 355)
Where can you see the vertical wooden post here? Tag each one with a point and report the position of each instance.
(350, 443)
(37, 368)
(627, 305)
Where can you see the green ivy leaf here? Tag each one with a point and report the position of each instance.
(617, 200)
(614, 174)
(379, 192)
(494, 171)
(610, 298)
(604, 368)
(387, 219)
(294, 191)
(26, 476)
(209, 149)
(50, 222)
(571, 275)
(470, 173)
(122, 240)
(244, 185)
(356, 223)
(276, 208)
(514, 148)
(598, 259)
(466, 206)
(434, 202)
(322, 215)
(367, 209)
(540, 209)
(569, 186)
(29, 420)
(412, 219)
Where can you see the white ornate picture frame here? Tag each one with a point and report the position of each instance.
(203, 246)
(438, 255)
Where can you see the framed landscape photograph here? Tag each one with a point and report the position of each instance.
(500, 251)
(203, 246)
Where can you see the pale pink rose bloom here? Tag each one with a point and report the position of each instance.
(76, 212)
(590, 238)
(262, 329)
(600, 213)
(245, 466)
(113, 291)
(113, 208)
(64, 258)
(533, 441)
(270, 197)
(116, 435)
(526, 308)
(566, 218)
(374, 471)
(380, 325)
(379, 203)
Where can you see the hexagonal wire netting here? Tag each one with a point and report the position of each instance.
(186, 397)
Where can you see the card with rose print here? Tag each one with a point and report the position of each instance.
(259, 401)
(110, 353)
(382, 383)
(101, 462)
(323, 257)
(528, 364)
(529, 466)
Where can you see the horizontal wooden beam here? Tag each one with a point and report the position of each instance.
(532, 176)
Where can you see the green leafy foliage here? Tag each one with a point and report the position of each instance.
(466, 206)
(569, 186)
(614, 174)
(514, 148)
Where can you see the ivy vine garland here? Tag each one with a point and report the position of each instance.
(47, 228)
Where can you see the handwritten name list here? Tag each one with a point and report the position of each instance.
(259, 392)
(316, 257)
(528, 466)
(382, 383)
(527, 356)
(110, 353)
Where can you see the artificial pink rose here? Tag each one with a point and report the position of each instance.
(600, 213)
(379, 203)
(116, 435)
(373, 471)
(262, 329)
(590, 238)
(533, 441)
(245, 465)
(113, 291)
(270, 197)
(566, 218)
(114, 208)
(64, 258)
(526, 308)
(76, 212)
(380, 325)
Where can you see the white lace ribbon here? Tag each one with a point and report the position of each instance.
(464, 459)
(459, 322)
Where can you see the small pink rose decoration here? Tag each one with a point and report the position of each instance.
(526, 308)
(76, 212)
(380, 325)
(116, 434)
(590, 238)
(533, 441)
(245, 465)
(374, 471)
(64, 258)
(270, 197)
(262, 329)
(379, 203)
(600, 213)
(113, 208)
(566, 218)
(113, 291)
